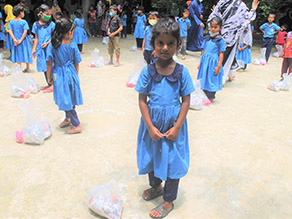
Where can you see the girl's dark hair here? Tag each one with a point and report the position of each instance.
(78, 13)
(43, 8)
(17, 9)
(186, 10)
(59, 13)
(167, 26)
(154, 13)
(217, 20)
(63, 26)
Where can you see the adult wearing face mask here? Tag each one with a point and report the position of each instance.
(195, 33)
(55, 9)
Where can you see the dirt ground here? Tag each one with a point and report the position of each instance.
(241, 148)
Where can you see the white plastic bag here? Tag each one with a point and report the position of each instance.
(33, 86)
(19, 84)
(198, 97)
(279, 52)
(35, 131)
(286, 82)
(105, 201)
(96, 59)
(4, 70)
(133, 49)
(262, 59)
(134, 75)
(274, 85)
(105, 40)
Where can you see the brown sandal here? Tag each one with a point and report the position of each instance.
(153, 193)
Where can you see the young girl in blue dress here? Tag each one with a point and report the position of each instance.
(210, 68)
(162, 146)
(245, 43)
(80, 35)
(42, 30)
(2, 32)
(63, 58)
(140, 28)
(21, 47)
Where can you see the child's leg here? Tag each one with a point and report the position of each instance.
(184, 46)
(1, 44)
(116, 42)
(210, 94)
(80, 47)
(111, 50)
(286, 64)
(267, 43)
(27, 67)
(156, 187)
(75, 122)
(125, 31)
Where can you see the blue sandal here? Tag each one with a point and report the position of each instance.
(160, 209)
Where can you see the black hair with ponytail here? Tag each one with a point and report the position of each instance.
(43, 8)
(63, 26)
(17, 9)
(78, 13)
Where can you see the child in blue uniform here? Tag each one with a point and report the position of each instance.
(147, 48)
(80, 35)
(43, 29)
(163, 146)
(63, 60)
(9, 16)
(21, 47)
(139, 28)
(210, 68)
(245, 43)
(124, 24)
(2, 32)
(184, 25)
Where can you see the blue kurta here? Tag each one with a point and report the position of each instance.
(80, 35)
(44, 35)
(140, 27)
(22, 52)
(244, 55)
(2, 33)
(67, 92)
(195, 33)
(208, 63)
(165, 157)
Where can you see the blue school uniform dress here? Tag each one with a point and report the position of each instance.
(22, 52)
(208, 63)
(244, 55)
(166, 158)
(67, 92)
(80, 35)
(140, 27)
(44, 35)
(2, 33)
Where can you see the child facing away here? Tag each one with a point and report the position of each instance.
(80, 35)
(287, 56)
(2, 32)
(140, 28)
(243, 51)
(184, 25)
(114, 28)
(63, 62)
(162, 146)
(269, 29)
(21, 47)
(282, 36)
(147, 48)
(42, 29)
(210, 68)
(124, 24)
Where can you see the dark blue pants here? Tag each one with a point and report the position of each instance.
(124, 32)
(210, 94)
(170, 188)
(268, 43)
(73, 117)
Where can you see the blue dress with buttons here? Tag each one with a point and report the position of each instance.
(140, 27)
(44, 35)
(80, 35)
(67, 92)
(168, 159)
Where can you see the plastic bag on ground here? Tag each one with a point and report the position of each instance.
(19, 84)
(33, 86)
(284, 84)
(96, 59)
(134, 75)
(279, 52)
(274, 85)
(105, 201)
(105, 40)
(262, 59)
(133, 49)
(4, 70)
(35, 131)
(198, 97)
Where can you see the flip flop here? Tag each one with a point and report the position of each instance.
(26, 71)
(110, 63)
(45, 87)
(160, 209)
(48, 90)
(65, 123)
(153, 193)
(116, 65)
(74, 130)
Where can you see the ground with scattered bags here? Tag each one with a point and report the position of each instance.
(241, 147)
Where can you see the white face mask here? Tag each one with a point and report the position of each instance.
(152, 22)
(214, 34)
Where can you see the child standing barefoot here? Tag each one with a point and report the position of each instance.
(80, 35)
(210, 68)
(163, 147)
(63, 60)
(21, 48)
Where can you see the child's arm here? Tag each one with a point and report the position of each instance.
(46, 44)
(36, 39)
(155, 134)
(202, 52)
(172, 133)
(117, 31)
(77, 68)
(143, 45)
(49, 71)
(13, 37)
(23, 36)
(217, 69)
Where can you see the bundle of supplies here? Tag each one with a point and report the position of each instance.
(262, 59)
(134, 75)
(4, 70)
(96, 59)
(198, 97)
(284, 84)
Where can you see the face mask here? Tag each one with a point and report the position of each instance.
(55, 5)
(152, 22)
(213, 34)
(111, 14)
(46, 17)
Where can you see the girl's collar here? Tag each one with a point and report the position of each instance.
(216, 39)
(174, 77)
(43, 25)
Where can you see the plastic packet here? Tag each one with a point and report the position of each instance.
(279, 52)
(19, 84)
(105, 40)
(133, 49)
(4, 70)
(105, 201)
(286, 82)
(96, 59)
(134, 75)
(274, 85)
(35, 131)
(33, 86)
(198, 97)
(262, 59)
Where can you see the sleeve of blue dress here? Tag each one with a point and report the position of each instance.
(187, 86)
(34, 28)
(77, 56)
(263, 26)
(189, 23)
(222, 45)
(144, 18)
(193, 13)
(26, 27)
(204, 44)
(142, 85)
(49, 51)
(0, 15)
(75, 22)
(9, 27)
